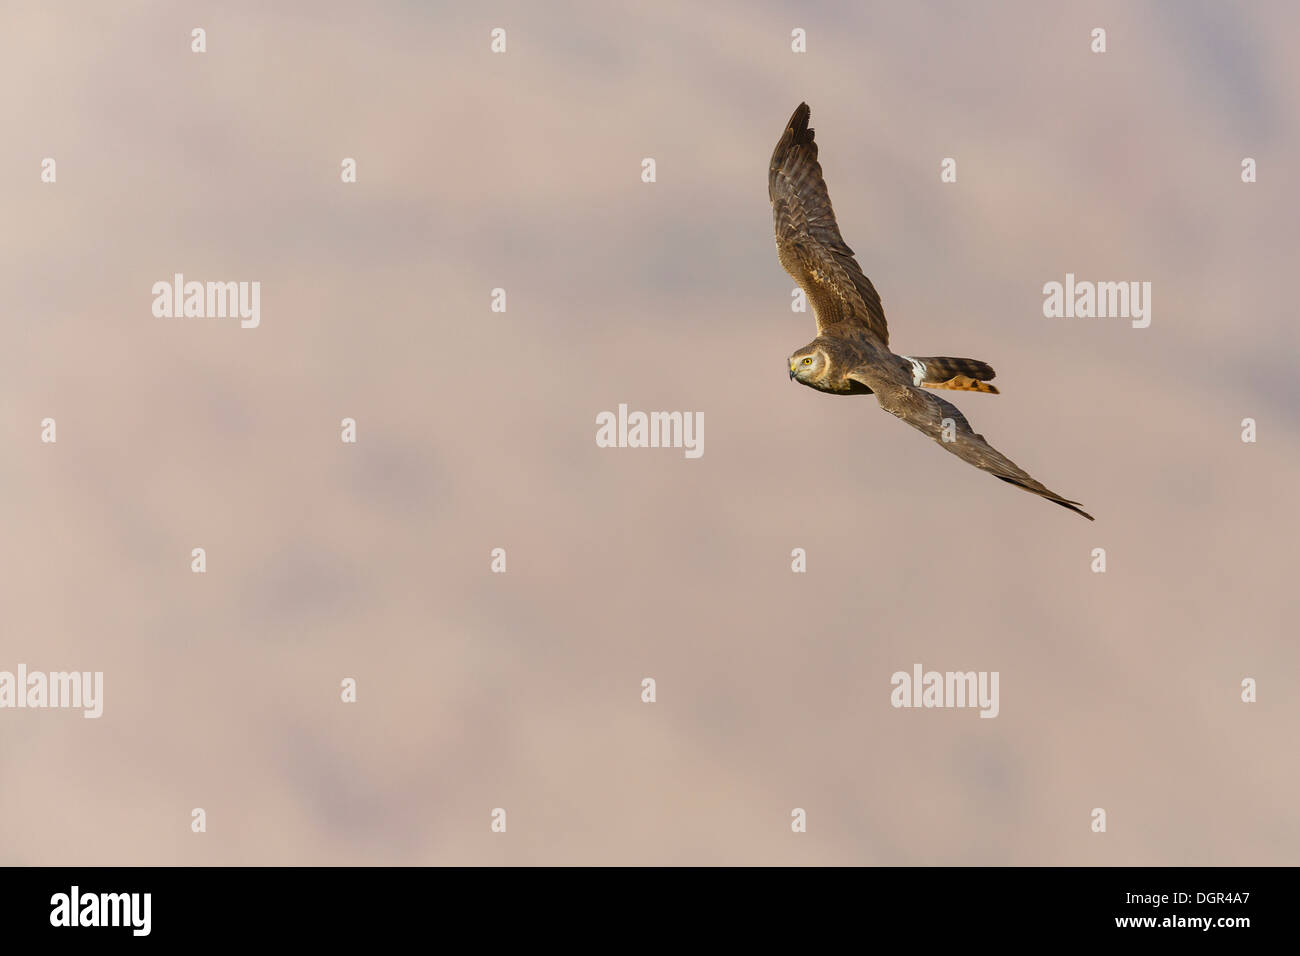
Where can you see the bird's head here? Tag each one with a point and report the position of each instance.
(807, 364)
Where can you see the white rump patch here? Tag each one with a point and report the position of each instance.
(918, 370)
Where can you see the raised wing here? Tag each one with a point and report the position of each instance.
(927, 413)
(808, 240)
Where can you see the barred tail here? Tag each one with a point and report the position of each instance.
(967, 375)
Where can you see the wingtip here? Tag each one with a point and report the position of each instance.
(799, 122)
(1073, 506)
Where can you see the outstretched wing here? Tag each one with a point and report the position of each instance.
(940, 419)
(808, 241)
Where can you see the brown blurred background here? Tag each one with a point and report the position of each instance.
(476, 431)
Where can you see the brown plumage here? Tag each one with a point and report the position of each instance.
(851, 355)
(963, 384)
(966, 374)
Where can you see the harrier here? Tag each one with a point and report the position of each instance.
(851, 355)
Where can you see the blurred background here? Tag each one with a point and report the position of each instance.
(476, 431)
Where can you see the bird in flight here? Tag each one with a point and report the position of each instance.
(851, 355)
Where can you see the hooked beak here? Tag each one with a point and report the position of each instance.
(792, 373)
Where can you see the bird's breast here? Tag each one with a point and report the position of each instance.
(838, 385)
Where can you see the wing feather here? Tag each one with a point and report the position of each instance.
(927, 412)
(808, 239)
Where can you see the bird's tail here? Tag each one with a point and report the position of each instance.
(963, 374)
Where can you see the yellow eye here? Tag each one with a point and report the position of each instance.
(807, 361)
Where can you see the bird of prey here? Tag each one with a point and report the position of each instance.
(851, 355)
